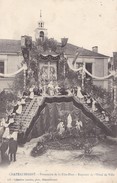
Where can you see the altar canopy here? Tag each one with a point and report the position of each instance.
(48, 67)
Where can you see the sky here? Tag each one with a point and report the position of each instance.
(86, 23)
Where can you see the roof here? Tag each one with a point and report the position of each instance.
(72, 49)
(10, 46)
(14, 46)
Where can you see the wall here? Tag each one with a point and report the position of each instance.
(5, 83)
(12, 62)
(99, 68)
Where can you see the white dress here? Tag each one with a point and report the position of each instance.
(93, 106)
(69, 121)
(6, 133)
(79, 124)
(23, 101)
(60, 128)
(11, 120)
(79, 94)
(14, 135)
(31, 93)
(19, 110)
(51, 89)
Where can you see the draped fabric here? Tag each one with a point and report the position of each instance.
(24, 67)
(54, 109)
(71, 66)
(100, 78)
(83, 69)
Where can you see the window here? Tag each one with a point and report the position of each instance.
(89, 69)
(2, 67)
(41, 34)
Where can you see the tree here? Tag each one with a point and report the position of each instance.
(6, 99)
(47, 44)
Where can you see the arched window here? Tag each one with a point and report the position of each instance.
(41, 34)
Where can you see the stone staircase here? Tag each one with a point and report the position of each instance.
(23, 120)
(98, 115)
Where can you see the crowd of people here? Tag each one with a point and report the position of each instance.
(9, 141)
(53, 89)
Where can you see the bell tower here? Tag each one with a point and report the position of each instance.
(41, 32)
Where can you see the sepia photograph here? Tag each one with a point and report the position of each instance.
(58, 91)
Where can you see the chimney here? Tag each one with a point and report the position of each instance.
(95, 49)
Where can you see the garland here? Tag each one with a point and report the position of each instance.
(96, 77)
(113, 73)
(24, 67)
(72, 68)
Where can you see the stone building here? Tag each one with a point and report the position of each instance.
(11, 58)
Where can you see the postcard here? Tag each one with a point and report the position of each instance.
(58, 91)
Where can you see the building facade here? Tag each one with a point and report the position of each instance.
(94, 62)
(11, 58)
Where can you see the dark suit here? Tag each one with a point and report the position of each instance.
(12, 149)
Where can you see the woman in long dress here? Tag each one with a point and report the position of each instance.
(79, 94)
(61, 128)
(31, 96)
(6, 133)
(93, 105)
(51, 88)
(69, 121)
(19, 110)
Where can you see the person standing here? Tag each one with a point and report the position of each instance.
(31, 90)
(12, 149)
(94, 105)
(3, 149)
(79, 94)
(19, 110)
(69, 123)
(61, 128)
(6, 133)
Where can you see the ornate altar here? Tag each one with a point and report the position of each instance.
(48, 64)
